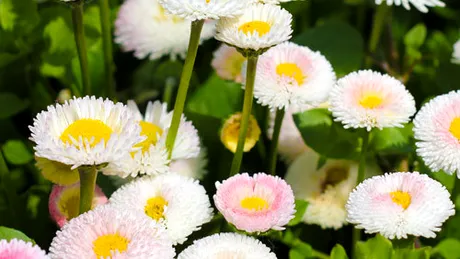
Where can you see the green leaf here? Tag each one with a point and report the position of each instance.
(294, 254)
(16, 152)
(300, 250)
(18, 15)
(416, 36)
(9, 233)
(217, 98)
(325, 136)
(376, 247)
(338, 252)
(422, 253)
(300, 207)
(11, 105)
(392, 140)
(449, 248)
(339, 42)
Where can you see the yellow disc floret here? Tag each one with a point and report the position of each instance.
(455, 128)
(231, 130)
(155, 207)
(403, 199)
(89, 130)
(370, 101)
(290, 70)
(152, 132)
(104, 245)
(254, 203)
(260, 27)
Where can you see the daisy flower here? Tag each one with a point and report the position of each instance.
(456, 53)
(290, 75)
(367, 99)
(204, 9)
(227, 245)
(231, 130)
(260, 27)
(192, 167)
(85, 131)
(180, 203)
(228, 62)
(437, 131)
(326, 189)
(64, 202)
(152, 157)
(400, 204)
(19, 249)
(421, 5)
(255, 204)
(143, 26)
(108, 232)
(57, 172)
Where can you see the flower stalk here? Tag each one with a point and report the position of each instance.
(104, 8)
(79, 34)
(274, 144)
(88, 175)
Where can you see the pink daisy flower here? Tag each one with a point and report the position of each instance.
(255, 204)
(64, 202)
(228, 62)
(19, 249)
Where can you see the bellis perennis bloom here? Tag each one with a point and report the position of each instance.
(367, 99)
(228, 62)
(421, 5)
(204, 9)
(400, 204)
(255, 203)
(227, 245)
(19, 249)
(230, 132)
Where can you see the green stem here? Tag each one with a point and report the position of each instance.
(247, 107)
(79, 33)
(380, 17)
(194, 42)
(274, 144)
(88, 175)
(107, 46)
(319, 254)
(168, 92)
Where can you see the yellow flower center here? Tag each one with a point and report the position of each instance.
(155, 207)
(69, 202)
(231, 131)
(151, 131)
(260, 27)
(370, 101)
(104, 245)
(89, 130)
(207, 1)
(254, 203)
(291, 70)
(455, 128)
(403, 199)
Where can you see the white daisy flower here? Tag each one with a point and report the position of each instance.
(437, 131)
(367, 99)
(85, 131)
(19, 249)
(290, 75)
(421, 5)
(273, 1)
(400, 204)
(260, 27)
(204, 9)
(178, 202)
(326, 189)
(227, 245)
(228, 63)
(152, 157)
(456, 53)
(191, 167)
(108, 232)
(143, 26)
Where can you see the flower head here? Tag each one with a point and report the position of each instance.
(421, 5)
(228, 62)
(204, 9)
(151, 157)
(180, 203)
(64, 202)
(255, 204)
(260, 27)
(367, 99)
(400, 204)
(289, 75)
(227, 245)
(191, 167)
(456, 54)
(19, 249)
(437, 131)
(110, 232)
(85, 131)
(143, 26)
(230, 132)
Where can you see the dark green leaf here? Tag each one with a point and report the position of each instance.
(9, 233)
(376, 247)
(392, 140)
(448, 248)
(416, 36)
(19, 15)
(10, 105)
(300, 207)
(16, 152)
(338, 252)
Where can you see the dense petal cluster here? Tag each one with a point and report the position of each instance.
(204, 9)
(19, 249)
(421, 5)
(400, 204)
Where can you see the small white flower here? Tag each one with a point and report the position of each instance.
(260, 27)
(437, 131)
(204, 9)
(180, 203)
(227, 245)
(191, 167)
(143, 26)
(400, 204)
(85, 131)
(456, 54)
(421, 5)
(367, 99)
(290, 75)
